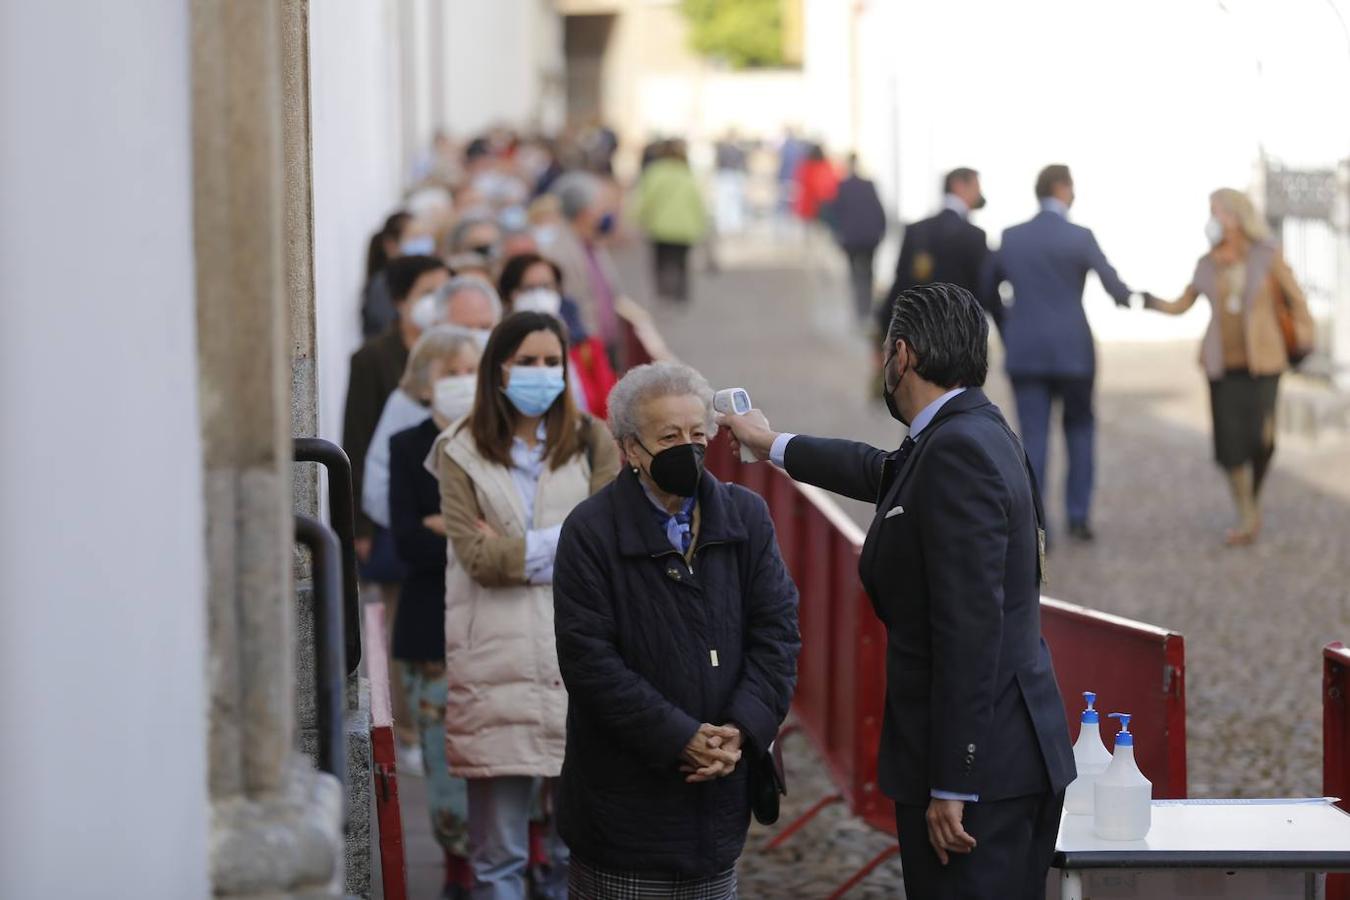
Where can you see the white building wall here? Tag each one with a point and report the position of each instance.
(102, 606)
(359, 154)
(503, 65)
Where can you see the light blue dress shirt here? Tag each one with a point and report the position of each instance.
(925, 418)
(956, 205)
(541, 544)
(1056, 206)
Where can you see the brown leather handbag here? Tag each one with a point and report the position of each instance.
(1284, 316)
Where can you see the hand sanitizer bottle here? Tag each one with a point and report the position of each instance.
(1122, 796)
(1090, 757)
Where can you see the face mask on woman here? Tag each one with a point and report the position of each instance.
(540, 300)
(677, 470)
(532, 389)
(425, 311)
(452, 396)
(421, 245)
(1214, 231)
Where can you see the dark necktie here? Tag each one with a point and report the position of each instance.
(906, 448)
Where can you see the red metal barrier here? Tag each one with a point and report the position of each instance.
(392, 862)
(841, 678)
(1132, 667)
(1336, 742)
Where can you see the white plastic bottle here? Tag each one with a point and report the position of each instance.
(1090, 757)
(1122, 796)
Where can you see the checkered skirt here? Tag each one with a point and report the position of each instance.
(585, 882)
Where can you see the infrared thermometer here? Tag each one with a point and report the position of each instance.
(735, 402)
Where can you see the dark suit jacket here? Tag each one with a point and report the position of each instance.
(972, 705)
(1046, 260)
(943, 248)
(375, 372)
(856, 215)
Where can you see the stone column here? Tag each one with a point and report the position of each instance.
(276, 822)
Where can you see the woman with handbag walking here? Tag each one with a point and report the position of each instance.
(677, 639)
(1260, 325)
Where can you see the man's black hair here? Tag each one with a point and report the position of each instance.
(944, 327)
(957, 176)
(404, 272)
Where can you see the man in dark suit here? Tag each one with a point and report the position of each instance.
(945, 247)
(974, 748)
(1050, 353)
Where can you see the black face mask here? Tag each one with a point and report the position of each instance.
(888, 390)
(979, 202)
(677, 470)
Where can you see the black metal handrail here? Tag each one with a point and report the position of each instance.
(330, 676)
(342, 517)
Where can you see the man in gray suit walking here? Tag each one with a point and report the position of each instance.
(1050, 351)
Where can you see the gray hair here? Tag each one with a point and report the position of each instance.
(462, 227)
(645, 383)
(440, 342)
(576, 193)
(446, 293)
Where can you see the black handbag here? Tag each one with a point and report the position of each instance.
(767, 785)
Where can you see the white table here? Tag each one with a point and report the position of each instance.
(1289, 836)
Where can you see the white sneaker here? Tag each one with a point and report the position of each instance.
(408, 759)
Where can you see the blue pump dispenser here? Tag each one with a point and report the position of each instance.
(1090, 714)
(1124, 738)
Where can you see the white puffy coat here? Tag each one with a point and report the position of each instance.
(506, 709)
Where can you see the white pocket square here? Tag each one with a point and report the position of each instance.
(896, 511)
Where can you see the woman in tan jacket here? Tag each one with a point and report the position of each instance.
(509, 475)
(1250, 287)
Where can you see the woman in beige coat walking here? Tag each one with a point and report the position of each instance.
(1259, 319)
(509, 475)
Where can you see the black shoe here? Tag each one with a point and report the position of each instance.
(1082, 532)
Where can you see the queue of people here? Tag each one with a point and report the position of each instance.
(597, 643)
(478, 421)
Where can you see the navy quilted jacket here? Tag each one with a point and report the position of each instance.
(651, 647)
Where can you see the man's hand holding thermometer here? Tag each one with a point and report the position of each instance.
(751, 435)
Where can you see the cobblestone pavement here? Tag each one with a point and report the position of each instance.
(774, 320)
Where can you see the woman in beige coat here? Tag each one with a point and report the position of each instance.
(509, 475)
(1250, 288)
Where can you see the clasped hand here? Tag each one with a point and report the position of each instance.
(712, 752)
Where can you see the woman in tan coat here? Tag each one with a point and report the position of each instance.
(1250, 288)
(509, 475)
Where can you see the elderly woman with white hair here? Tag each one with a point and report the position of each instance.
(1260, 324)
(677, 640)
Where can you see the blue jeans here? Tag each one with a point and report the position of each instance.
(1035, 394)
(499, 841)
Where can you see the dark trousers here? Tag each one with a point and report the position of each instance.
(860, 279)
(672, 270)
(1035, 396)
(1015, 840)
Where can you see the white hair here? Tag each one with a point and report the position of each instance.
(576, 193)
(646, 383)
(446, 293)
(440, 342)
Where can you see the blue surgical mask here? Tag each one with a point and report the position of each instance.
(532, 389)
(422, 245)
(606, 224)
